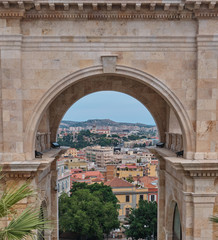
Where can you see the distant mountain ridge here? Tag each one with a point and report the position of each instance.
(101, 123)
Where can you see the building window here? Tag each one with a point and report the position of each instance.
(141, 197)
(127, 198)
(127, 212)
(152, 198)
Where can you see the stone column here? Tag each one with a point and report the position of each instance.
(173, 142)
(178, 142)
(167, 140)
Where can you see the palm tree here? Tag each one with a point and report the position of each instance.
(214, 219)
(24, 225)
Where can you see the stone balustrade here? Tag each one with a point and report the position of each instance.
(42, 141)
(174, 141)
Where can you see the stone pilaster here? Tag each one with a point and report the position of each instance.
(11, 90)
(207, 88)
(161, 200)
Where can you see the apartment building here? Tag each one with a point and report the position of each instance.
(63, 184)
(129, 170)
(99, 155)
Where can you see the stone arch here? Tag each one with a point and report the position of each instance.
(130, 73)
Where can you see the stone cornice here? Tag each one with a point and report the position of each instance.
(201, 168)
(192, 168)
(102, 10)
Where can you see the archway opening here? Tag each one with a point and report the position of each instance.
(177, 232)
(117, 117)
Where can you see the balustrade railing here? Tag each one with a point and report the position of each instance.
(174, 141)
(42, 141)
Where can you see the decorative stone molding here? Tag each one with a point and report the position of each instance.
(143, 10)
(66, 6)
(138, 6)
(109, 6)
(106, 16)
(37, 6)
(11, 14)
(201, 168)
(80, 6)
(6, 4)
(123, 6)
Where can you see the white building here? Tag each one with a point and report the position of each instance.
(64, 174)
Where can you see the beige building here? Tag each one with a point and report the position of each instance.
(127, 194)
(71, 152)
(76, 163)
(129, 170)
(99, 155)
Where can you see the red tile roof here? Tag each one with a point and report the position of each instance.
(147, 181)
(117, 182)
(89, 174)
(97, 180)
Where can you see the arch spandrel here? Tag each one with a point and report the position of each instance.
(154, 85)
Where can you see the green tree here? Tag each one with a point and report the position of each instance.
(90, 212)
(142, 221)
(23, 225)
(130, 179)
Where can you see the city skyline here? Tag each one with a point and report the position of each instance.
(111, 105)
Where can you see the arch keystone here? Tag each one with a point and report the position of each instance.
(109, 63)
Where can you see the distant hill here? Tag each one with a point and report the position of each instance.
(101, 123)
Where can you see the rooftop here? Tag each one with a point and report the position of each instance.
(117, 182)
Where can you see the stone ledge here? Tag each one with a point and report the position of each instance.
(32, 166)
(195, 168)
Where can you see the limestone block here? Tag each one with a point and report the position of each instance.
(199, 155)
(109, 64)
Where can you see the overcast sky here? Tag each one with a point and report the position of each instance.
(112, 105)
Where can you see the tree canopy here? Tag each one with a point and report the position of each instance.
(90, 212)
(142, 221)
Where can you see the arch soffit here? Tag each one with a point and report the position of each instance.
(128, 72)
